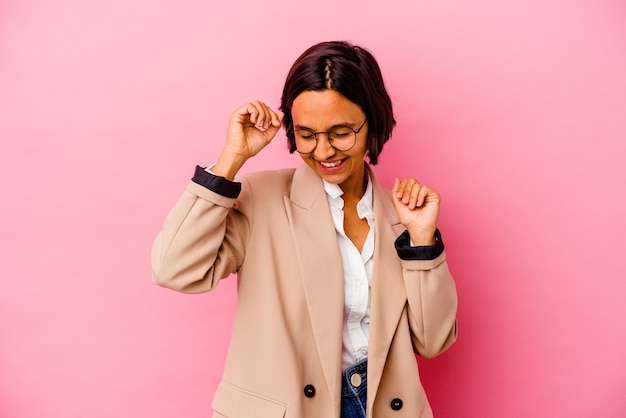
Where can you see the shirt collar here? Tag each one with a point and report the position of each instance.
(364, 207)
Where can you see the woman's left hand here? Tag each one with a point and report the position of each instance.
(418, 209)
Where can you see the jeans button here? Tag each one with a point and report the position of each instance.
(355, 379)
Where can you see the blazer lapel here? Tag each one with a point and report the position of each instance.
(321, 269)
(388, 293)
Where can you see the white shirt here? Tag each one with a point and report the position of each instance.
(357, 275)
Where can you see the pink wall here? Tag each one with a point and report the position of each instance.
(515, 111)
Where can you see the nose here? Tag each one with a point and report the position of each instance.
(323, 150)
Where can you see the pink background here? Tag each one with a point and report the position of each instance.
(515, 111)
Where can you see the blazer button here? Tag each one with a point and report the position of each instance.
(309, 391)
(396, 404)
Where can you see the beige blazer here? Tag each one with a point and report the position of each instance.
(284, 358)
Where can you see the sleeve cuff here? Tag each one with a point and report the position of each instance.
(217, 184)
(429, 252)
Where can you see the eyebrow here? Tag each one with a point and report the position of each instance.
(339, 125)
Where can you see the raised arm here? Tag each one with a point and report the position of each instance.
(431, 291)
(204, 237)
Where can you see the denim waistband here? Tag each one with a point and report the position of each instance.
(354, 379)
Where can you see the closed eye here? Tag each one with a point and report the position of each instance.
(341, 134)
(304, 134)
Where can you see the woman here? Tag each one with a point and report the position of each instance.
(340, 282)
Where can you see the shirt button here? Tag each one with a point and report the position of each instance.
(355, 379)
(396, 404)
(309, 391)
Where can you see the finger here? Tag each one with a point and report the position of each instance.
(277, 119)
(269, 121)
(422, 195)
(271, 117)
(242, 114)
(407, 193)
(258, 113)
(400, 190)
(415, 193)
(253, 112)
(261, 118)
(396, 185)
(273, 128)
(266, 116)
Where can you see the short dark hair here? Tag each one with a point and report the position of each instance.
(352, 72)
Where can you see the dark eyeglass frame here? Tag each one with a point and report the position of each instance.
(330, 140)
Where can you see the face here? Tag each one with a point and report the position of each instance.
(320, 111)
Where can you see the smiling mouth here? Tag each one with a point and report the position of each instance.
(332, 163)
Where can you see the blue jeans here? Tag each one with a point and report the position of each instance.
(354, 391)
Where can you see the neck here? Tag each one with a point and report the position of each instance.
(354, 188)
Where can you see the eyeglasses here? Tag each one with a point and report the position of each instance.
(342, 138)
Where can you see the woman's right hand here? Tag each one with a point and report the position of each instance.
(250, 129)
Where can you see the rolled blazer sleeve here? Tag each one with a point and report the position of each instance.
(202, 241)
(432, 302)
